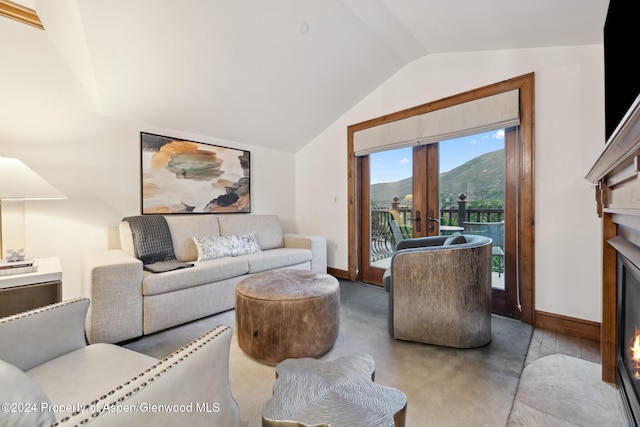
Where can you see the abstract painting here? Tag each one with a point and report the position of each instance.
(180, 176)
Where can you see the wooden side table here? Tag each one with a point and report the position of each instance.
(22, 292)
(283, 314)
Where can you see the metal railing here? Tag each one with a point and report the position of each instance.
(381, 238)
(382, 244)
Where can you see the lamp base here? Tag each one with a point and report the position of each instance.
(12, 227)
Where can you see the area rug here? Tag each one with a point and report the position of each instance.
(444, 386)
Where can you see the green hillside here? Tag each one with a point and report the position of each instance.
(481, 179)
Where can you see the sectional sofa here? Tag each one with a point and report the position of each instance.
(212, 254)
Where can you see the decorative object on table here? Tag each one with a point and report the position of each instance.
(339, 393)
(8, 267)
(15, 255)
(17, 184)
(179, 176)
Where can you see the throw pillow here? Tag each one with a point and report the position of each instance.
(247, 243)
(455, 239)
(24, 402)
(210, 248)
(225, 246)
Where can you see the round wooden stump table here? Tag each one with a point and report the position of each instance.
(283, 314)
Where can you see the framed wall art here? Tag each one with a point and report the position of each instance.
(179, 176)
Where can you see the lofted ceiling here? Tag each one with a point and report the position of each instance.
(275, 73)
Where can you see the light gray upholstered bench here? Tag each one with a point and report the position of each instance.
(282, 314)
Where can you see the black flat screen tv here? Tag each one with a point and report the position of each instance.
(622, 80)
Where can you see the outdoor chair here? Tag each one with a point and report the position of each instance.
(494, 231)
(396, 233)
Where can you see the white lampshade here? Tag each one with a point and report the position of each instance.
(18, 181)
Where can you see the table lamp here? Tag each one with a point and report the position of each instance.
(18, 183)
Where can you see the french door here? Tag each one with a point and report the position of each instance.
(466, 185)
(519, 192)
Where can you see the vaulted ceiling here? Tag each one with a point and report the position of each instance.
(276, 73)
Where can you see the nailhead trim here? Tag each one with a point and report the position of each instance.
(198, 343)
(39, 310)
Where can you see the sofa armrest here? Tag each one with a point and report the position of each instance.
(33, 337)
(317, 245)
(189, 387)
(112, 280)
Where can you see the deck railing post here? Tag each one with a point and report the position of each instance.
(462, 209)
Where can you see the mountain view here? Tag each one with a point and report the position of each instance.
(481, 179)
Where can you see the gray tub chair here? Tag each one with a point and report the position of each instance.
(440, 291)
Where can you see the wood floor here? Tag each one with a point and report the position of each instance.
(545, 343)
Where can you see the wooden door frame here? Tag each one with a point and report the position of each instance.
(525, 171)
(504, 301)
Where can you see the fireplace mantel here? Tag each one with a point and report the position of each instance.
(616, 176)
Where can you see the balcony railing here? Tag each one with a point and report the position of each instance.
(456, 214)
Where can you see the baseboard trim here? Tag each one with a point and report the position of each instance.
(338, 274)
(568, 325)
(552, 322)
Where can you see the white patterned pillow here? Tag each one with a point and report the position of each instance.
(224, 246)
(246, 243)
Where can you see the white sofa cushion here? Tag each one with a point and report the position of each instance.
(267, 228)
(201, 273)
(184, 227)
(24, 403)
(277, 258)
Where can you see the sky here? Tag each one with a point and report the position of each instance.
(395, 165)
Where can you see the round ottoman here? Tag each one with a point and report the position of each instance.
(284, 314)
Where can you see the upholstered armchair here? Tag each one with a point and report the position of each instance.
(50, 376)
(440, 291)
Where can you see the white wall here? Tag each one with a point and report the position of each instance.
(48, 120)
(569, 132)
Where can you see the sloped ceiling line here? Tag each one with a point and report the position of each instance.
(20, 13)
(243, 71)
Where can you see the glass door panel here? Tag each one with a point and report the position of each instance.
(471, 191)
(477, 187)
(386, 215)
